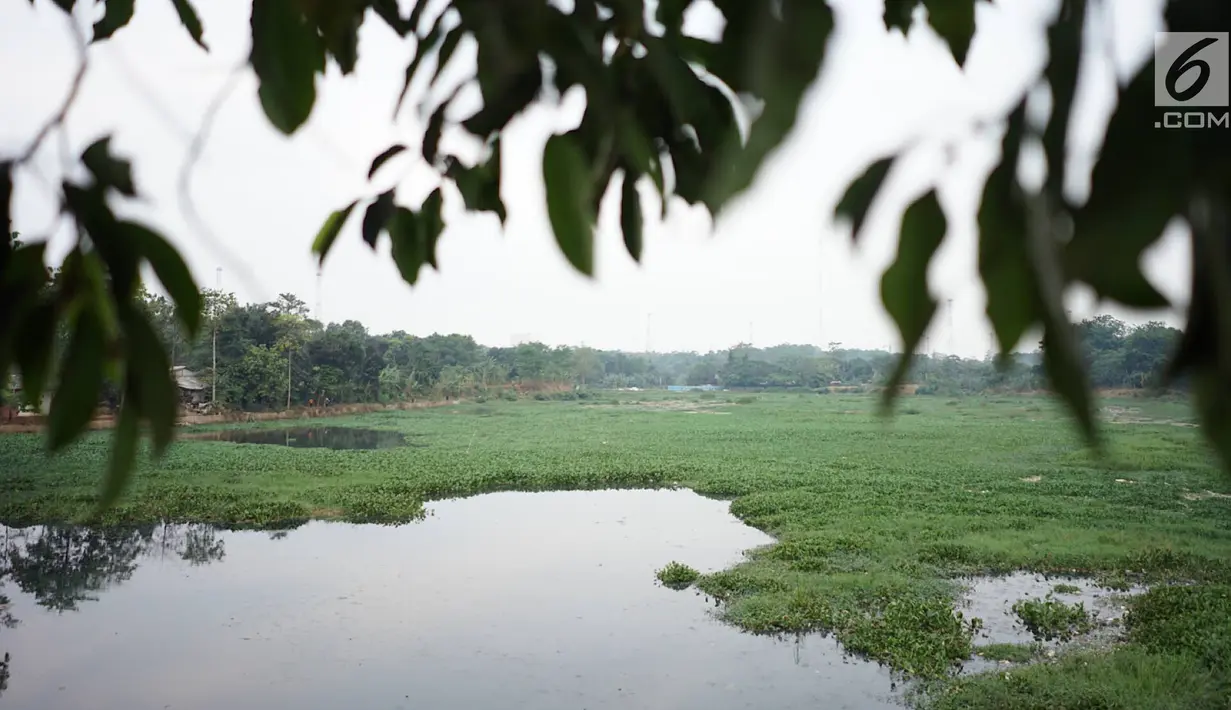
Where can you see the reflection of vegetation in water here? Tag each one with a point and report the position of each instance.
(7, 621)
(340, 438)
(62, 566)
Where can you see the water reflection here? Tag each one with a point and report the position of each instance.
(513, 600)
(62, 566)
(338, 438)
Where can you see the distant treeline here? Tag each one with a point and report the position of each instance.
(267, 350)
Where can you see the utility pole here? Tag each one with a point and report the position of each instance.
(213, 395)
(320, 315)
(952, 335)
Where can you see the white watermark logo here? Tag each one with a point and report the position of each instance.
(1192, 79)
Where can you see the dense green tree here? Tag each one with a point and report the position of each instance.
(344, 362)
(254, 381)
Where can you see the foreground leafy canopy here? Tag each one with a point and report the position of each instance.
(660, 104)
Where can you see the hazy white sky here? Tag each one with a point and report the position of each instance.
(774, 269)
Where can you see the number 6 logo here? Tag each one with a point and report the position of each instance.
(1192, 69)
(1182, 64)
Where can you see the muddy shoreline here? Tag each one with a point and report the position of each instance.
(33, 424)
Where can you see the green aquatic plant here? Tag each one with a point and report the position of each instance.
(677, 575)
(1013, 652)
(1051, 619)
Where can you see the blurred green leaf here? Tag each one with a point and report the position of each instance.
(1004, 259)
(384, 157)
(480, 185)
(90, 210)
(1141, 180)
(1065, 371)
(22, 277)
(116, 14)
(153, 386)
(423, 46)
(81, 378)
(286, 55)
(414, 236)
(410, 249)
(6, 198)
(447, 47)
(776, 57)
(329, 231)
(108, 170)
(508, 98)
(671, 14)
(431, 223)
(36, 334)
(904, 285)
(416, 16)
(567, 183)
(1204, 353)
(954, 21)
(1061, 349)
(1065, 47)
(431, 134)
(171, 270)
(899, 13)
(388, 11)
(124, 440)
(190, 21)
(859, 195)
(630, 216)
(338, 22)
(376, 216)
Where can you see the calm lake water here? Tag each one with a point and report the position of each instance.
(509, 600)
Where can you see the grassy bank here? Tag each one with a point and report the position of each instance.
(874, 519)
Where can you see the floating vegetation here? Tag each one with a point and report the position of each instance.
(677, 575)
(1051, 619)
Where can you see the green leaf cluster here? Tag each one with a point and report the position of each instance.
(664, 104)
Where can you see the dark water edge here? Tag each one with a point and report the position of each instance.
(337, 438)
(505, 600)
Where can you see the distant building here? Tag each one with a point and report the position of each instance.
(692, 388)
(192, 389)
(14, 394)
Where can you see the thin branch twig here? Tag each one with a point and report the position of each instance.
(184, 190)
(74, 89)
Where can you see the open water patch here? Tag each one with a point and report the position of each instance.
(505, 600)
(321, 437)
(991, 599)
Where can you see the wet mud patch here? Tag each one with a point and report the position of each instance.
(1132, 415)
